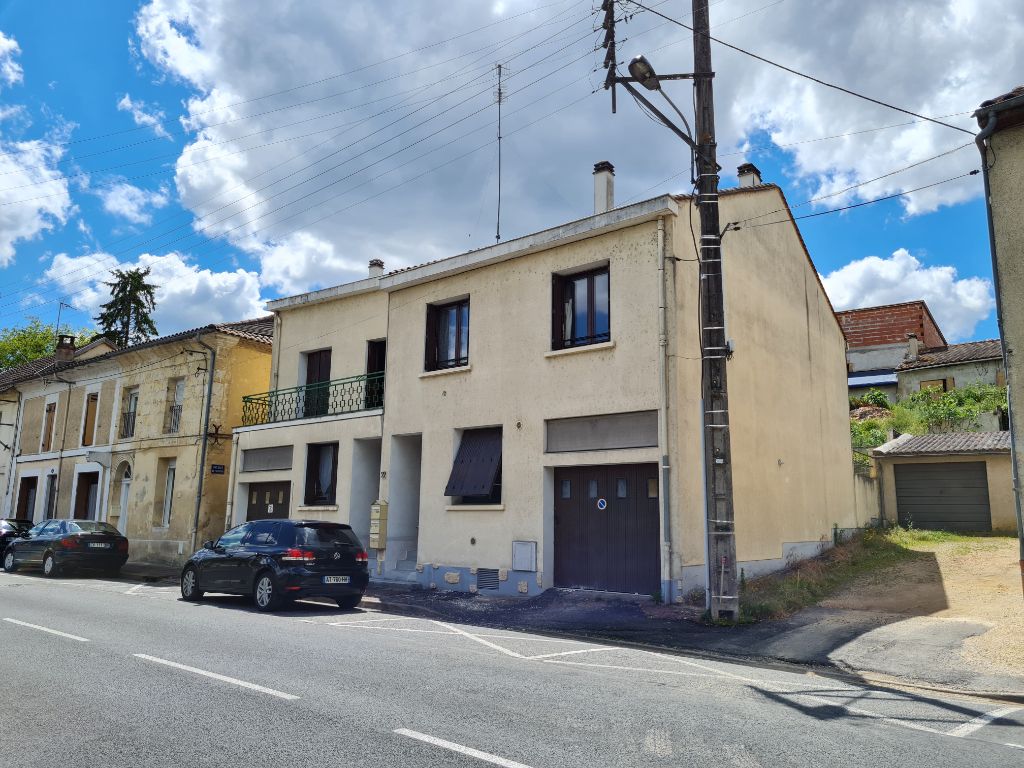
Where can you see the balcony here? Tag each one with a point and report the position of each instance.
(327, 398)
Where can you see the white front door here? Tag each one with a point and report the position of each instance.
(122, 518)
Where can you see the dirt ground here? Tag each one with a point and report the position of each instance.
(977, 579)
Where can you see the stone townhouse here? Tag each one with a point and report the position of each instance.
(139, 437)
(528, 415)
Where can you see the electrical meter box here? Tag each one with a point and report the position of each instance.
(378, 524)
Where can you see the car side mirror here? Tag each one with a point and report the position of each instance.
(208, 545)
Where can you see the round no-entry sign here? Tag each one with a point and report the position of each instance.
(602, 503)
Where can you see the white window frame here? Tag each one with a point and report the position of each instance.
(170, 476)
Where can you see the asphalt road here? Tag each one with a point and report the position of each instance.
(112, 673)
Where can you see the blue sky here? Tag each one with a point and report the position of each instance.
(128, 72)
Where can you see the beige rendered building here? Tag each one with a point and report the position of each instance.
(1001, 142)
(139, 437)
(509, 408)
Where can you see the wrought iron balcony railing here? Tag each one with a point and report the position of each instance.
(127, 424)
(326, 398)
(173, 419)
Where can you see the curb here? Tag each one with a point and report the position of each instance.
(852, 677)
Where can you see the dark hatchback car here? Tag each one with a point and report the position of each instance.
(10, 529)
(276, 561)
(67, 545)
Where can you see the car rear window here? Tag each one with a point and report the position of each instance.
(15, 525)
(91, 526)
(324, 535)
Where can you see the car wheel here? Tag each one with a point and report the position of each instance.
(9, 565)
(50, 568)
(190, 585)
(350, 602)
(266, 594)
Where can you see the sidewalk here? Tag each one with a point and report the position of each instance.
(874, 646)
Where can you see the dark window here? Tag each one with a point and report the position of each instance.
(580, 309)
(621, 488)
(321, 473)
(447, 335)
(476, 473)
(233, 538)
(264, 534)
(318, 387)
(592, 492)
(327, 534)
(566, 489)
(652, 487)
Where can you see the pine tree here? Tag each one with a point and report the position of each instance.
(125, 319)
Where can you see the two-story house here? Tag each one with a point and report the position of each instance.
(139, 437)
(528, 415)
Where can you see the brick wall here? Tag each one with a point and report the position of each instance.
(890, 324)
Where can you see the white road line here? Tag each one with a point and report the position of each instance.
(487, 757)
(365, 621)
(215, 676)
(134, 589)
(981, 721)
(629, 669)
(47, 629)
(569, 653)
(390, 629)
(480, 640)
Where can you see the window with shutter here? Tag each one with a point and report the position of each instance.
(476, 472)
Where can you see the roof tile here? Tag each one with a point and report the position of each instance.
(946, 442)
(990, 349)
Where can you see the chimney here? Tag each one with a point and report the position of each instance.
(604, 186)
(749, 175)
(65, 352)
(913, 348)
(376, 267)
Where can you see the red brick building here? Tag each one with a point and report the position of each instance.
(890, 324)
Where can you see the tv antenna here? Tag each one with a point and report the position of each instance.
(500, 96)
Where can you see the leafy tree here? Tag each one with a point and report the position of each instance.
(125, 319)
(31, 341)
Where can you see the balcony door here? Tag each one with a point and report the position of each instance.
(376, 361)
(318, 374)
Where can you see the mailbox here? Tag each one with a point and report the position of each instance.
(378, 524)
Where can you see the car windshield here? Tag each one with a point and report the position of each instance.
(90, 526)
(324, 534)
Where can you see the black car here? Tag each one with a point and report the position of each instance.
(277, 561)
(65, 545)
(11, 528)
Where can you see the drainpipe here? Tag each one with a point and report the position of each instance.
(980, 139)
(663, 386)
(205, 436)
(5, 503)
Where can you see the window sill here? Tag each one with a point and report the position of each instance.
(317, 508)
(583, 348)
(475, 508)
(446, 371)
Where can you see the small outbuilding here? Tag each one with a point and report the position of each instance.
(958, 481)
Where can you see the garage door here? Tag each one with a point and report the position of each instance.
(606, 528)
(952, 496)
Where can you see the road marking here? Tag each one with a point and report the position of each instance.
(47, 629)
(629, 669)
(365, 621)
(487, 757)
(981, 721)
(133, 590)
(480, 640)
(569, 653)
(215, 676)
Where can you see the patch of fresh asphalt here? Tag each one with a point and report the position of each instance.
(362, 676)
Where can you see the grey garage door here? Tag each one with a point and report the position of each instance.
(952, 496)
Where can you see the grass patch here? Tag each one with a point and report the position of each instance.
(781, 594)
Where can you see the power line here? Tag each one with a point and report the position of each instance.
(173, 121)
(862, 204)
(804, 75)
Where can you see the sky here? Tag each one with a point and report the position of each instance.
(247, 150)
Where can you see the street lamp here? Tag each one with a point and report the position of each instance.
(641, 71)
(640, 68)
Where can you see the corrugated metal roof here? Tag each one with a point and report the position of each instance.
(870, 378)
(946, 443)
(990, 349)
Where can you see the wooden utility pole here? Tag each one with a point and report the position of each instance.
(715, 350)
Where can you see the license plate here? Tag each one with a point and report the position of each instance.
(100, 546)
(336, 579)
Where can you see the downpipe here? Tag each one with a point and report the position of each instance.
(981, 139)
(663, 387)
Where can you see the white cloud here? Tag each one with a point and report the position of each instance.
(246, 167)
(132, 203)
(10, 70)
(187, 295)
(958, 304)
(144, 115)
